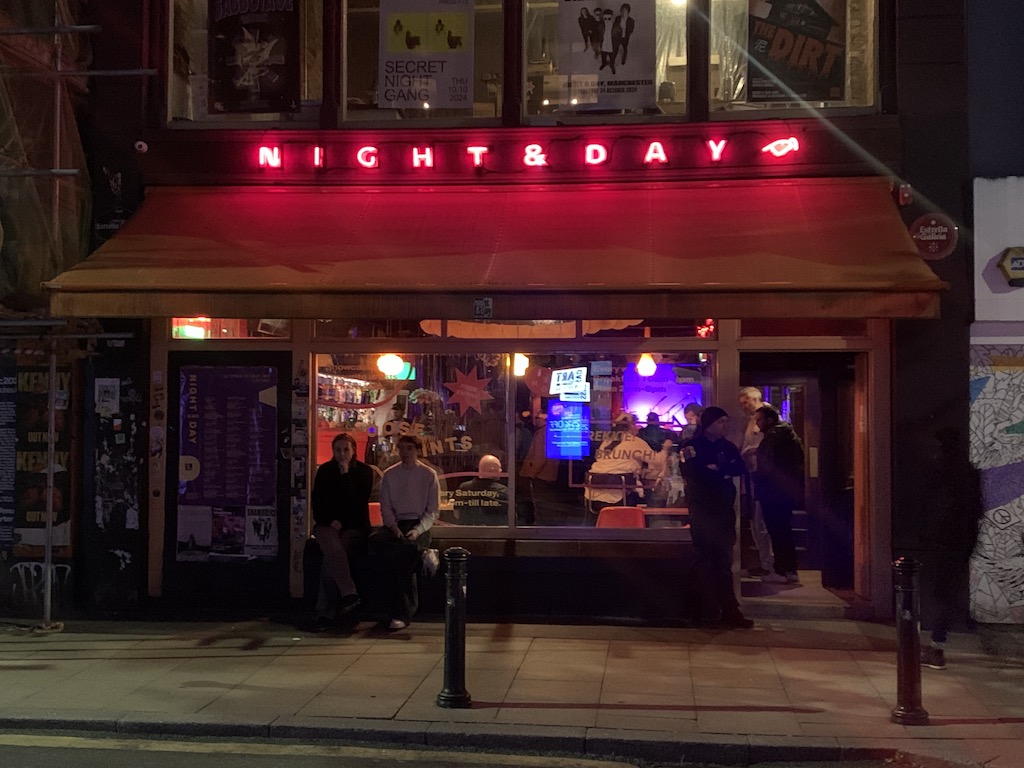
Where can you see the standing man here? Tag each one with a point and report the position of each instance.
(341, 516)
(410, 497)
(711, 465)
(621, 32)
(779, 484)
(540, 474)
(750, 401)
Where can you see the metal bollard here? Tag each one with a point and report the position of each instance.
(454, 694)
(908, 710)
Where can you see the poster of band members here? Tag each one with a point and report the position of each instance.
(31, 387)
(797, 50)
(606, 54)
(227, 473)
(255, 60)
(426, 54)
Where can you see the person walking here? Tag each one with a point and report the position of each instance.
(410, 497)
(341, 517)
(779, 488)
(711, 465)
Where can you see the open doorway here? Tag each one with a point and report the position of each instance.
(817, 394)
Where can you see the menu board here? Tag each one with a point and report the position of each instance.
(568, 430)
(227, 468)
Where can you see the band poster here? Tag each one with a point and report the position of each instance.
(797, 50)
(227, 471)
(606, 54)
(255, 58)
(426, 54)
(30, 388)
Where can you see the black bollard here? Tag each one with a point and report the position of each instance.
(908, 709)
(454, 694)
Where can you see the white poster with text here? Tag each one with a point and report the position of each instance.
(426, 54)
(606, 54)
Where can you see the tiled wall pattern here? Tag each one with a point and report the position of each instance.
(997, 449)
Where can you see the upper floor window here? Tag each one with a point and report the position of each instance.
(261, 62)
(791, 54)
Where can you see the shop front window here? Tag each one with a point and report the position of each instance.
(605, 59)
(439, 60)
(578, 434)
(197, 328)
(791, 54)
(239, 62)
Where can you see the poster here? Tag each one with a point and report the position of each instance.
(797, 50)
(568, 430)
(8, 447)
(32, 458)
(606, 55)
(255, 59)
(426, 54)
(228, 459)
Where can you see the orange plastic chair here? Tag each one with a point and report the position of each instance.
(620, 517)
(375, 517)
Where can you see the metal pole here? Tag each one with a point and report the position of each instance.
(908, 710)
(454, 694)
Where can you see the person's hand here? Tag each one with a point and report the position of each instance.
(336, 525)
(396, 531)
(412, 535)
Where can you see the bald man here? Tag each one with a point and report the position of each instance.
(484, 499)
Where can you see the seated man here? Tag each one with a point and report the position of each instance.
(482, 500)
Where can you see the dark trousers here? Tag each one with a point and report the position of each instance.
(400, 561)
(778, 519)
(340, 549)
(714, 536)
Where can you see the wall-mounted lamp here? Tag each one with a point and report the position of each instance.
(390, 364)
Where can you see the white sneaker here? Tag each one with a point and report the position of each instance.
(792, 578)
(774, 578)
(397, 624)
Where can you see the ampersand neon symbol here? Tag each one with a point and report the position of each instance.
(534, 156)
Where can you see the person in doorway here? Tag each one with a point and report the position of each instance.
(341, 517)
(711, 465)
(653, 433)
(952, 512)
(779, 489)
(750, 401)
(484, 499)
(410, 497)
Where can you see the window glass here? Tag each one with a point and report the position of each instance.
(229, 328)
(605, 58)
(423, 60)
(589, 431)
(232, 62)
(787, 54)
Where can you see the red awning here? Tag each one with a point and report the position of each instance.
(810, 248)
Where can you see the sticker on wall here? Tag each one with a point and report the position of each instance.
(935, 235)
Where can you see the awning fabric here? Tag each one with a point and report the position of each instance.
(793, 248)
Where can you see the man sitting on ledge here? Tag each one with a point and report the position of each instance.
(482, 500)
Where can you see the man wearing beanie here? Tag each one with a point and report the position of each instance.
(711, 463)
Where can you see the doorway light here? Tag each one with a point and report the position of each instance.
(520, 363)
(390, 364)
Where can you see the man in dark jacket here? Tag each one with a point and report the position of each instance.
(710, 466)
(341, 516)
(779, 487)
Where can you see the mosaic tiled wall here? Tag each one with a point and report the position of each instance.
(997, 449)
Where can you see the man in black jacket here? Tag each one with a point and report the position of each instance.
(779, 487)
(710, 466)
(341, 516)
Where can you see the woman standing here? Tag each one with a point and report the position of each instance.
(341, 515)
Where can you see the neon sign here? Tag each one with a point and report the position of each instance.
(454, 156)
